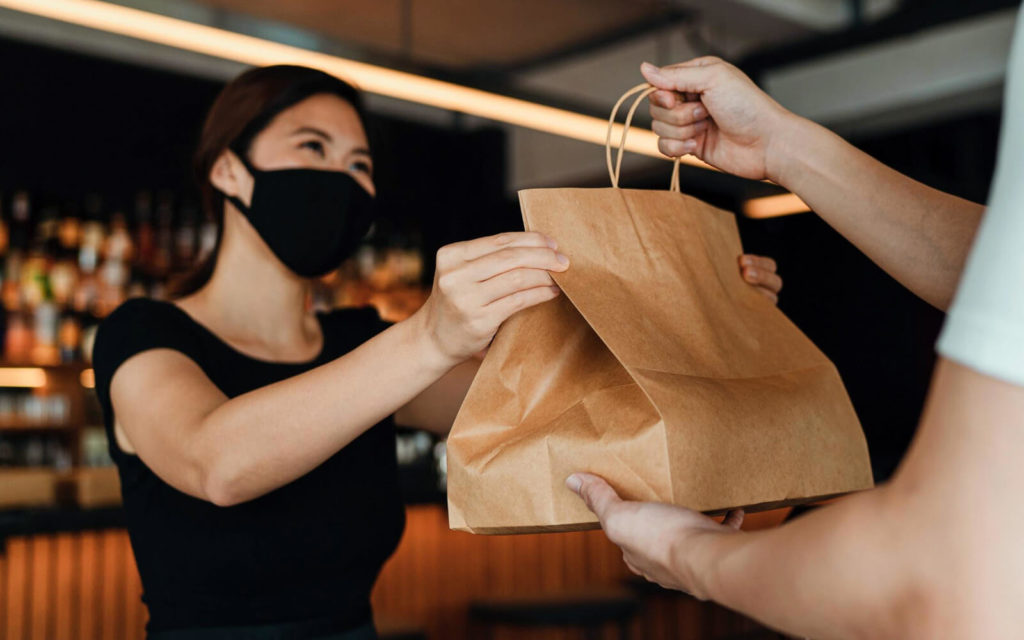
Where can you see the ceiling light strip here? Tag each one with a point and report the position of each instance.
(250, 50)
(211, 41)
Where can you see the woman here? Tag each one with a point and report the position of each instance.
(252, 436)
(935, 552)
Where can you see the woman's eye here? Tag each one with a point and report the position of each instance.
(316, 146)
(362, 166)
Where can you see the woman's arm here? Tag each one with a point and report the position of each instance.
(228, 451)
(436, 407)
(936, 553)
(919, 235)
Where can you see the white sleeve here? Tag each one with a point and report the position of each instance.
(985, 327)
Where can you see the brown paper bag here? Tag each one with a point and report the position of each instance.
(659, 369)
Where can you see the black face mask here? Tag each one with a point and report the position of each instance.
(311, 219)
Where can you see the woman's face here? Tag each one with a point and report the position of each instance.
(321, 132)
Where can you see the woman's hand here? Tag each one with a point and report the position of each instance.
(710, 109)
(478, 284)
(761, 272)
(655, 539)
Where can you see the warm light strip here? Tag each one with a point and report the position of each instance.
(27, 377)
(775, 206)
(88, 378)
(219, 43)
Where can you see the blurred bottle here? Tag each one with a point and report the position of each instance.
(18, 337)
(69, 336)
(21, 221)
(163, 256)
(4, 234)
(185, 239)
(207, 238)
(145, 234)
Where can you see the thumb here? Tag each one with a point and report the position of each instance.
(598, 494)
(682, 78)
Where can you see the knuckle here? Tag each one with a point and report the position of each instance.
(503, 239)
(445, 283)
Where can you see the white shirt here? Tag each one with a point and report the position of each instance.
(985, 327)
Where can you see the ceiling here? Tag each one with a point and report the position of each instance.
(455, 33)
(462, 35)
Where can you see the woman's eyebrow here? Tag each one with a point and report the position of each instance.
(317, 132)
(361, 151)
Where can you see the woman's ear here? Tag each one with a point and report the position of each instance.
(229, 176)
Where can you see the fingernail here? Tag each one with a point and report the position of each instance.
(648, 67)
(747, 261)
(556, 290)
(699, 112)
(700, 126)
(563, 259)
(574, 482)
(690, 144)
(751, 273)
(552, 243)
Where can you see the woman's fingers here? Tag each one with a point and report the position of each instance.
(452, 255)
(764, 279)
(507, 283)
(760, 262)
(508, 259)
(760, 272)
(501, 309)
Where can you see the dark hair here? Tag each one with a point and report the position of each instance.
(241, 111)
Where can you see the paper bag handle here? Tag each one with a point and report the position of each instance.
(614, 171)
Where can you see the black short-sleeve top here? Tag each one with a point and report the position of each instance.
(310, 549)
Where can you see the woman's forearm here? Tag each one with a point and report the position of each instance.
(919, 235)
(268, 437)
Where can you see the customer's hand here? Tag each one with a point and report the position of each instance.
(478, 284)
(760, 272)
(655, 539)
(710, 109)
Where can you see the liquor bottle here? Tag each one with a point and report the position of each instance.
(21, 222)
(185, 239)
(207, 238)
(164, 254)
(145, 235)
(4, 235)
(69, 336)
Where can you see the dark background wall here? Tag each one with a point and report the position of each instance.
(73, 125)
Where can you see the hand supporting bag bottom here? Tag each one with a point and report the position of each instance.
(659, 369)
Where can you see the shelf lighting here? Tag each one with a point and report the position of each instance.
(22, 377)
(775, 206)
(88, 378)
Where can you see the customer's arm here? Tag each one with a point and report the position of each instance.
(934, 554)
(919, 235)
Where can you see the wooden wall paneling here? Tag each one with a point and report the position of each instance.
(16, 591)
(41, 554)
(89, 568)
(65, 586)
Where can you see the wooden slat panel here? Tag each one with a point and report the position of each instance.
(18, 583)
(111, 624)
(89, 567)
(40, 596)
(64, 587)
(84, 586)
